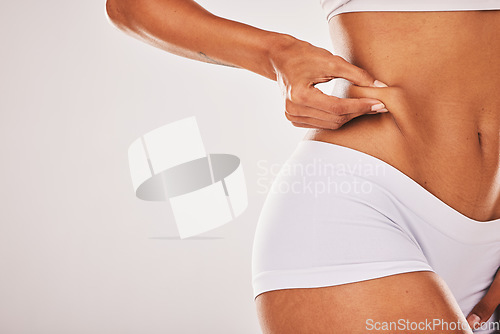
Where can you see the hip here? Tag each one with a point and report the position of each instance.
(451, 161)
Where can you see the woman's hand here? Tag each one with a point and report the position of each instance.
(299, 66)
(485, 308)
(185, 28)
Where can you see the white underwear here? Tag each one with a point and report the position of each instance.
(335, 215)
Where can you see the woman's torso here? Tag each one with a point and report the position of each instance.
(443, 72)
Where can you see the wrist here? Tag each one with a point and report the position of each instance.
(277, 44)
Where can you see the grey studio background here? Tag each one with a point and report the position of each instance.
(79, 253)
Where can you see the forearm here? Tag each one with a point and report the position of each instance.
(184, 28)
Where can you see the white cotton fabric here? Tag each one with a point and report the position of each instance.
(334, 7)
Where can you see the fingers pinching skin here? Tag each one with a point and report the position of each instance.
(316, 99)
(320, 119)
(358, 76)
(322, 111)
(300, 66)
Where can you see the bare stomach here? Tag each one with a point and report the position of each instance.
(443, 124)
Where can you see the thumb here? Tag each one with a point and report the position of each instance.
(482, 311)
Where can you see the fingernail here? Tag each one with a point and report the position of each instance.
(378, 83)
(378, 106)
(383, 110)
(473, 320)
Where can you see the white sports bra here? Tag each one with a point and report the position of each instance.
(334, 7)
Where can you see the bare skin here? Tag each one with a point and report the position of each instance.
(441, 129)
(355, 308)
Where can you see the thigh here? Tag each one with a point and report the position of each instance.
(391, 304)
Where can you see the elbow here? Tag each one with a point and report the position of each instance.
(111, 10)
(116, 11)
